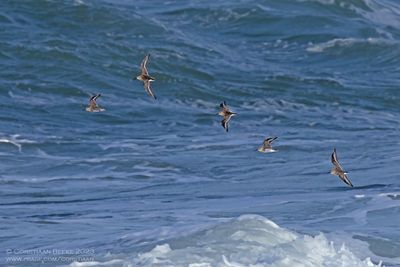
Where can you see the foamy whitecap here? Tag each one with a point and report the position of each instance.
(346, 42)
(79, 2)
(96, 263)
(250, 240)
(325, 2)
(16, 141)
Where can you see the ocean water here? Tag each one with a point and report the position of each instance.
(160, 183)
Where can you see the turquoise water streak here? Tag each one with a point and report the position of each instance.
(146, 179)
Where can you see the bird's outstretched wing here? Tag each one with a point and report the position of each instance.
(339, 170)
(267, 142)
(335, 161)
(224, 107)
(345, 179)
(93, 101)
(225, 122)
(144, 64)
(146, 85)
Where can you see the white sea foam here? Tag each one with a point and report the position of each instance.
(79, 3)
(345, 42)
(250, 240)
(14, 140)
(96, 263)
(325, 2)
(9, 141)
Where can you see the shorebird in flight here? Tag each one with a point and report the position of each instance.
(266, 146)
(338, 170)
(226, 114)
(145, 77)
(93, 107)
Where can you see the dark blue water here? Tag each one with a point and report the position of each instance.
(160, 183)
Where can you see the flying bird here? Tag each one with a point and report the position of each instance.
(338, 170)
(266, 146)
(226, 114)
(145, 77)
(93, 107)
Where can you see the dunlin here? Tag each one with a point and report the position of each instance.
(338, 170)
(145, 77)
(226, 114)
(266, 146)
(93, 107)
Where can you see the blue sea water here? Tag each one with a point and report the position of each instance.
(160, 183)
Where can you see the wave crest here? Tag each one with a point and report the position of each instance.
(250, 240)
(347, 42)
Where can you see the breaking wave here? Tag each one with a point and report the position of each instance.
(250, 240)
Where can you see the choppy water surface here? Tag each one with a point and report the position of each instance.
(159, 183)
